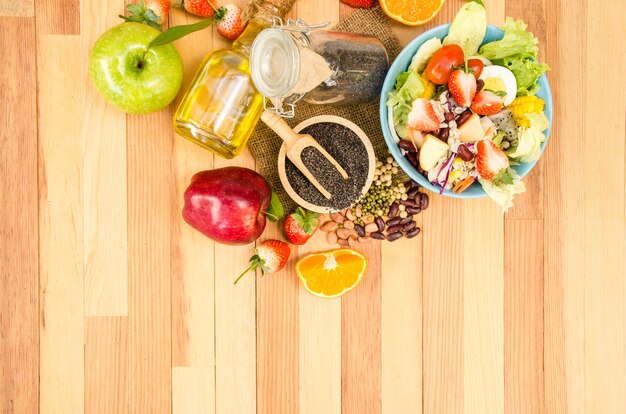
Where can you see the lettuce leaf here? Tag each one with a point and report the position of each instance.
(530, 139)
(517, 51)
(504, 194)
(409, 86)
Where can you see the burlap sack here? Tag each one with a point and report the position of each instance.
(265, 144)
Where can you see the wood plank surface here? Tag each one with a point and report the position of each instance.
(62, 330)
(19, 239)
(110, 303)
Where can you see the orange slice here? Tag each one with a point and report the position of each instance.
(412, 12)
(333, 273)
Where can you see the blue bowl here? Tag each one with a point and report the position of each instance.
(401, 64)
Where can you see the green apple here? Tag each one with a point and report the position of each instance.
(132, 77)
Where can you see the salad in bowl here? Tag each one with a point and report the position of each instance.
(467, 109)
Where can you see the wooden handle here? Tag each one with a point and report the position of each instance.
(282, 129)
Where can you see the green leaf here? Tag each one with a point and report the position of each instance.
(176, 32)
(275, 211)
(479, 2)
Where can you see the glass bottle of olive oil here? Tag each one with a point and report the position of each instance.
(222, 106)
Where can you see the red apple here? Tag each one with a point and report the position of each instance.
(228, 204)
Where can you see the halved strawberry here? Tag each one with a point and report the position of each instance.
(487, 103)
(270, 257)
(491, 161)
(462, 86)
(422, 116)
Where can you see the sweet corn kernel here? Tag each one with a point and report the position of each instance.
(525, 105)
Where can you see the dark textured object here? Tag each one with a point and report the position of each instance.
(345, 146)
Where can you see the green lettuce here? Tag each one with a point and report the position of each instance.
(502, 193)
(409, 86)
(530, 139)
(517, 51)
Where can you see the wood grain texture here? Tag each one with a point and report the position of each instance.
(104, 180)
(60, 17)
(442, 293)
(193, 390)
(319, 344)
(149, 183)
(483, 306)
(106, 365)
(523, 317)
(360, 340)
(17, 8)
(401, 335)
(62, 329)
(19, 241)
(277, 336)
(563, 213)
(604, 264)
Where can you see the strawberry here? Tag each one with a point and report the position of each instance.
(230, 23)
(491, 162)
(151, 12)
(422, 116)
(300, 226)
(487, 103)
(270, 256)
(462, 86)
(202, 8)
(365, 4)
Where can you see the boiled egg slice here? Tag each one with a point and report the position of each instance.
(500, 80)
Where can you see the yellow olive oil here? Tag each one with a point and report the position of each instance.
(222, 106)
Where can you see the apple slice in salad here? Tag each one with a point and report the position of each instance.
(499, 105)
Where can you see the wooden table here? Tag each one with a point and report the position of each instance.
(110, 303)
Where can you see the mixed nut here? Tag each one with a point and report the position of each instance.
(354, 225)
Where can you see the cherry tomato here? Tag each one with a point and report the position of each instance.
(477, 66)
(440, 65)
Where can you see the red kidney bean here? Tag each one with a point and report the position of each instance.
(462, 118)
(480, 84)
(392, 222)
(449, 116)
(413, 210)
(406, 220)
(407, 145)
(408, 202)
(360, 230)
(412, 157)
(377, 235)
(412, 192)
(443, 134)
(393, 210)
(435, 133)
(421, 171)
(395, 236)
(408, 184)
(409, 226)
(465, 153)
(380, 223)
(417, 198)
(413, 233)
(394, 229)
(424, 202)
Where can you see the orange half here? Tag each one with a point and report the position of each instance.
(333, 273)
(412, 12)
